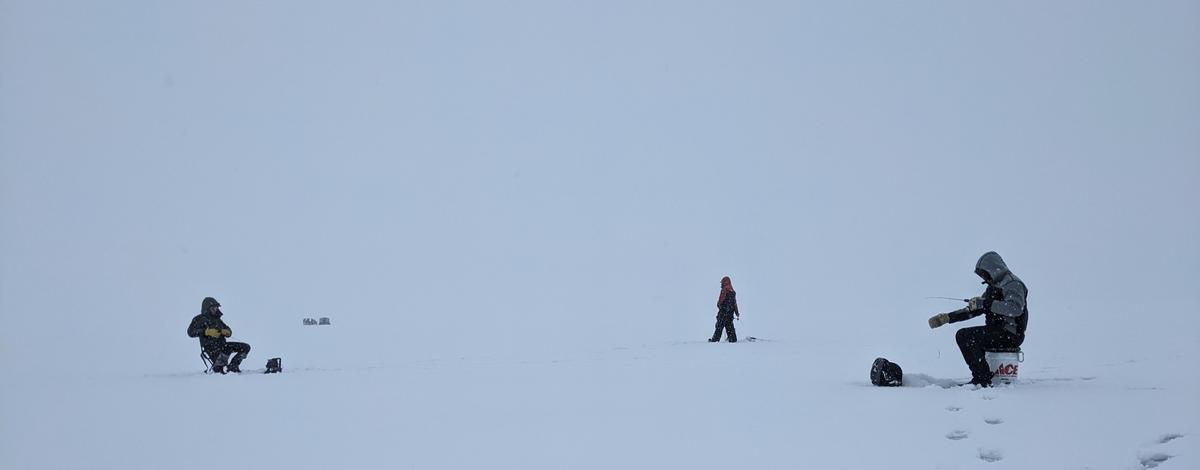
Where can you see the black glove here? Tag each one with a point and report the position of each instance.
(977, 303)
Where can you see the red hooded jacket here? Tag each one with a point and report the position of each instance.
(727, 301)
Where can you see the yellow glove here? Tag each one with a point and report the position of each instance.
(212, 333)
(226, 333)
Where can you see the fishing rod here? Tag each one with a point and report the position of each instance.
(950, 298)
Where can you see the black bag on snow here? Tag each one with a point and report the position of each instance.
(885, 373)
(274, 365)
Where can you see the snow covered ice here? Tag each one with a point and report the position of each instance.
(670, 404)
(516, 216)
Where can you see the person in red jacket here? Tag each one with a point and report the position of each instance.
(727, 309)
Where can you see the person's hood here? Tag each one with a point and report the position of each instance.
(726, 288)
(991, 267)
(208, 303)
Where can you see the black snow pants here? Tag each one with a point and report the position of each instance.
(726, 322)
(976, 340)
(238, 350)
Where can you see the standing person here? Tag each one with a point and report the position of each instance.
(212, 332)
(1003, 303)
(727, 309)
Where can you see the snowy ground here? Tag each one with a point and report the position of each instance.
(672, 404)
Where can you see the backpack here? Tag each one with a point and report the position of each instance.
(885, 373)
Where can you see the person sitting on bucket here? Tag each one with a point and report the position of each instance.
(1003, 303)
(212, 332)
(726, 309)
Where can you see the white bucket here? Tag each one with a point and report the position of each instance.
(1004, 365)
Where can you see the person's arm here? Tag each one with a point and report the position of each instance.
(1013, 303)
(963, 314)
(955, 316)
(196, 328)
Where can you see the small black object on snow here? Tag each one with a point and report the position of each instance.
(885, 373)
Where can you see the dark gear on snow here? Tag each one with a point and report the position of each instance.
(212, 331)
(727, 309)
(1004, 305)
(885, 373)
(274, 365)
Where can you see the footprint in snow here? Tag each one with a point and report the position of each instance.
(993, 420)
(953, 408)
(957, 435)
(990, 455)
(1152, 459)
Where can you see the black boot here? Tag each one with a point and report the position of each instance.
(218, 370)
(982, 381)
(234, 368)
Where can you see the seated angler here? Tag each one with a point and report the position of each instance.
(212, 332)
(1003, 303)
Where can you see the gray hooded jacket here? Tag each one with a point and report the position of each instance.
(1005, 296)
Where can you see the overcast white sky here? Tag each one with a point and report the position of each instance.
(480, 176)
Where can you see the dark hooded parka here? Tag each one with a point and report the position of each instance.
(217, 348)
(1004, 306)
(1004, 299)
(209, 317)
